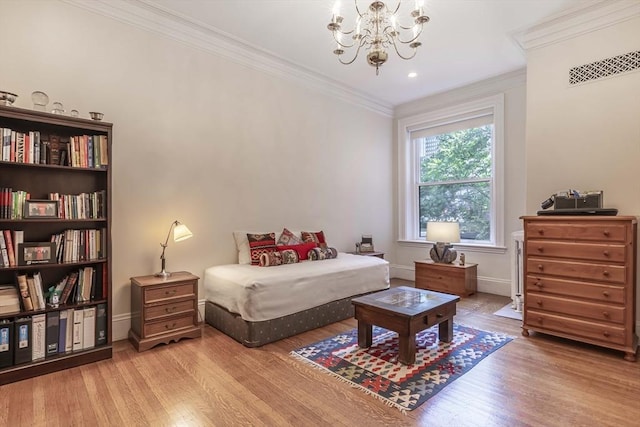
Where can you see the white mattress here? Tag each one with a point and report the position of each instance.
(265, 293)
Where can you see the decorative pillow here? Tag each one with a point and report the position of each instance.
(260, 244)
(289, 256)
(269, 259)
(287, 238)
(302, 249)
(314, 236)
(318, 254)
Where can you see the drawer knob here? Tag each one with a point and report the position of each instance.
(605, 273)
(605, 314)
(540, 232)
(539, 303)
(606, 334)
(173, 325)
(538, 284)
(540, 267)
(605, 293)
(170, 309)
(606, 253)
(171, 292)
(439, 316)
(606, 233)
(539, 319)
(540, 249)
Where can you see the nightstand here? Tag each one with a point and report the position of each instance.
(461, 280)
(163, 309)
(378, 254)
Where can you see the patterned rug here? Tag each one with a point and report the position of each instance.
(377, 371)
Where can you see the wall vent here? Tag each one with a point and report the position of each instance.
(605, 68)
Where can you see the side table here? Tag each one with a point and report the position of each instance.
(461, 280)
(163, 309)
(377, 254)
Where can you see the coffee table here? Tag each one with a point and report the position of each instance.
(406, 311)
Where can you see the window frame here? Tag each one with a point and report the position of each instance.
(408, 167)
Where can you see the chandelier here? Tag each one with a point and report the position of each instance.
(376, 30)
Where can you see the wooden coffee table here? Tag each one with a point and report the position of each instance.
(406, 311)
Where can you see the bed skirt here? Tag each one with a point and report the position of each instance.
(255, 334)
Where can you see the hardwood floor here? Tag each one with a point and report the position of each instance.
(214, 381)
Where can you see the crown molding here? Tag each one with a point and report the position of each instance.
(584, 18)
(146, 15)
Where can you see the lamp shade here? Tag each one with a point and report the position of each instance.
(181, 232)
(447, 232)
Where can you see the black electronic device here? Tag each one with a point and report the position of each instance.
(581, 211)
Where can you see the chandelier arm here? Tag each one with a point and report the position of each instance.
(395, 47)
(355, 56)
(339, 42)
(416, 37)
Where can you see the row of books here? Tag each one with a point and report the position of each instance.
(9, 299)
(9, 241)
(82, 285)
(69, 206)
(86, 151)
(80, 245)
(45, 335)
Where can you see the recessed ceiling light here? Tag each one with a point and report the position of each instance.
(412, 75)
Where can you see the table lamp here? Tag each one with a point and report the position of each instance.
(443, 234)
(180, 233)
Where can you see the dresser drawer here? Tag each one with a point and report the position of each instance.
(587, 251)
(573, 307)
(173, 308)
(603, 332)
(572, 230)
(603, 293)
(579, 270)
(169, 325)
(164, 293)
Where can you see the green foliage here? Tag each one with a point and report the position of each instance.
(456, 172)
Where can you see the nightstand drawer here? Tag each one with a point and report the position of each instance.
(164, 293)
(168, 326)
(171, 309)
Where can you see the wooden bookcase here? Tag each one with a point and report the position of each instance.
(39, 180)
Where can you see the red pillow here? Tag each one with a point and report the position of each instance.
(302, 249)
(260, 244)
(314, 236)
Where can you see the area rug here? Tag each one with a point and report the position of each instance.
(376, 370)
(508, 311)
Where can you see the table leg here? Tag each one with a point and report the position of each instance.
(445, 330)
(407, 350)
(365, 334)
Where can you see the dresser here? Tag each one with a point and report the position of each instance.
(580, 275)
(163, 309)
(461, 280)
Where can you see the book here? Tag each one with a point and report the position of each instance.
(54, 149)
(4, 256)
(62, 332)
(78, 329)
(53, 327)
(89, 328)
(34, 296)
(71, 283)
(24, 292)
(9, 299)
(22, 343)
(38, 336)
(101, 324)
(69, 337)
(37, 284)
(6, 343)
(87, 280)
(10, 249)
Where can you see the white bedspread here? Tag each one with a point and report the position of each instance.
(265, 293)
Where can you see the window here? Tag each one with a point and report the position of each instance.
(451, 170)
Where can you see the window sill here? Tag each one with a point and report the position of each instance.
(461, 247)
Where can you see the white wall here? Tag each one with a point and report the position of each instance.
(585, 137)
(198, 138)
(494, 274)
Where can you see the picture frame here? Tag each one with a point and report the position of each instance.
(36, 253)
(40, 209)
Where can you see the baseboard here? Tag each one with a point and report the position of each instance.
(489, 285)
(122, 323)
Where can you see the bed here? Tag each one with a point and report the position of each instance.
(258, 305)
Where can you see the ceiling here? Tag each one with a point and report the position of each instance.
(466, 40)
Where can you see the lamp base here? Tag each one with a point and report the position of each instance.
(443, 253)
(163, 273)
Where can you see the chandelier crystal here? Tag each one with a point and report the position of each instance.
(377, 29)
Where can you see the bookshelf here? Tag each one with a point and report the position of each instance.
(82, 223)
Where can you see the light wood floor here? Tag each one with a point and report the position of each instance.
(214, 381)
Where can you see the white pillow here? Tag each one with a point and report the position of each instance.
(242, 243)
